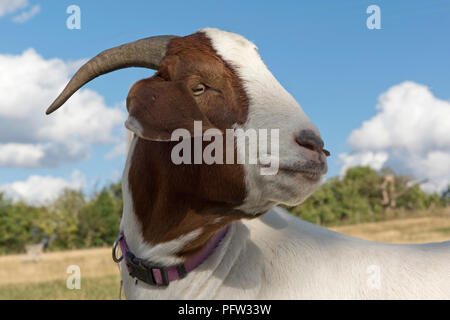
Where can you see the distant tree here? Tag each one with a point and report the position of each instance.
(61, 220)
(413, 199)
(116, 191)
(366, 182)
(446, 196)
(360, 195)
(320, 207)
(16, 223)
(99, 220)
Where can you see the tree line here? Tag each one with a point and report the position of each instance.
(74, 220)
(71, 221)
(365, 195)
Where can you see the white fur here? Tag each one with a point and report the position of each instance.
(270, 107)
(281, 257)
(134, 126)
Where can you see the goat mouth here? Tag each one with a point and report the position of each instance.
(311, 174)
(314, 176)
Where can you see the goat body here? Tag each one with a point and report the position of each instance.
(279, 256)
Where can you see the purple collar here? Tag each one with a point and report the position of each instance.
(156, 274)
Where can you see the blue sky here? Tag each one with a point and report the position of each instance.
(321, 51)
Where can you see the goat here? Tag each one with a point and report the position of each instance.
(214, 231)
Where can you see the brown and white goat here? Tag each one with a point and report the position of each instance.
(172, 211)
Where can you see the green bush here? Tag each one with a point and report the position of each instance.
(16, 224)
(357, 197)
(69, 222)
(99, 220)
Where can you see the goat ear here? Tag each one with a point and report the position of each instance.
(156, 108)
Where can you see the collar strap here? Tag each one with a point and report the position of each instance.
(156, 274)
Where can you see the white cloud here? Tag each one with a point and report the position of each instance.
(116, 175)
(410, 133)
(375, 160)
(435, 166)
(27, 15)
(121, 148)
(11, 6)
(40, 189)
(23, 155)
(29, 138)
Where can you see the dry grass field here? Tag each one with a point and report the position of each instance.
(411, 230)
(46, 279)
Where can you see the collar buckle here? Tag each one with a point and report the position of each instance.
(150, 273)
(114, 248)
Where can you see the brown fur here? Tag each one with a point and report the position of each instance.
(171, 200)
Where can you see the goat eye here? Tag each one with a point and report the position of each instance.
(199, 89)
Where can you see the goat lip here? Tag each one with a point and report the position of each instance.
(313, 175)
(310, 174)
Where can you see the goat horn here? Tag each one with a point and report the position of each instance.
(146, 53)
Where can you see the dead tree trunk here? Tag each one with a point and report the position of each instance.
(390, 196)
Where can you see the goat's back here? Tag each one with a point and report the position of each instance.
(286, 257)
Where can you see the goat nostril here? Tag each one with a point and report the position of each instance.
(306, 145)
(312, 147)
(309, 140)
